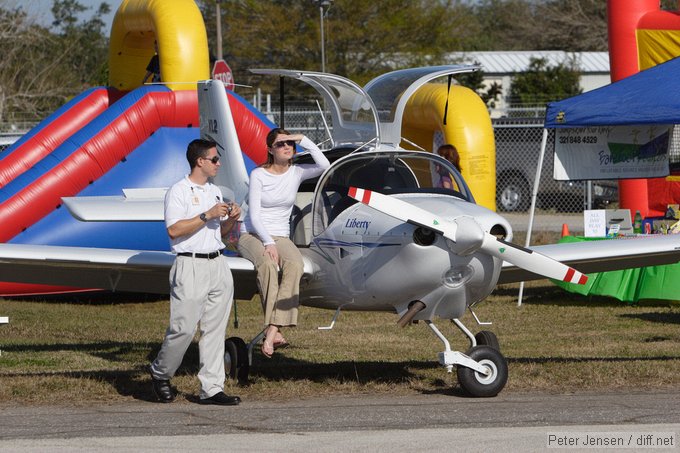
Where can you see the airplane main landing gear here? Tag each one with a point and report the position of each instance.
(482, 371)
(236, 361)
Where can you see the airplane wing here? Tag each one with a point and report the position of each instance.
(604, 255)
(106, 269)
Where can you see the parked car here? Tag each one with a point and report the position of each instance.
(517, 151)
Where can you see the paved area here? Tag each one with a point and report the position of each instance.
(546, 222)
(509, 422)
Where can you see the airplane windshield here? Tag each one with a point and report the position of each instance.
(388, 173)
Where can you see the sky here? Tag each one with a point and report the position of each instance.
(40, 10)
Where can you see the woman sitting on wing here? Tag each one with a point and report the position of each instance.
(265, 232)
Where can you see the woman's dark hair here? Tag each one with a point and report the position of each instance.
(450, 153)
(271, 138)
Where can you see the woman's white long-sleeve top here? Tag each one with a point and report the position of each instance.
(271, 197)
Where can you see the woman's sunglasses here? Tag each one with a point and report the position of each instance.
(282, 143)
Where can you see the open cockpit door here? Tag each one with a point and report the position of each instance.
(390, 92)
(354, 117)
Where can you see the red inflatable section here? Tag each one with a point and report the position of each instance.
(625, 18)
(251, 131)
(55, 133)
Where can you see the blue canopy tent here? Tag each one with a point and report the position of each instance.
(648, 97)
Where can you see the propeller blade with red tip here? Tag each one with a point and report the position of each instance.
(507, 251)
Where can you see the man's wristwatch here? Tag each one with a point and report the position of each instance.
(203, 217)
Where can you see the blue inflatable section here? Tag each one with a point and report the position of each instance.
(159, 161)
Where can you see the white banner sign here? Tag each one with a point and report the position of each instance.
(612, 152)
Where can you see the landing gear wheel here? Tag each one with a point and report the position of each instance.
(236, 363)
(487, 338)
(477, 384)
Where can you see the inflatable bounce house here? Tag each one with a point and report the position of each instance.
(126, 135)
(130, 135)
(466, 124)
(641, 35)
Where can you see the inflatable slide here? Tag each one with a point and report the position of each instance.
(122, 136)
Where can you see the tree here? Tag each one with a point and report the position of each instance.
(541, 83)
(40, 70)
(475, 81)
(574, 25)
(85, 42)
(362, 39)
(569, 25)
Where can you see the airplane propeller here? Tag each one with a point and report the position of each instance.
(467, 236)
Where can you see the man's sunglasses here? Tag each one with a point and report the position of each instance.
(282, 143)
(213, 159)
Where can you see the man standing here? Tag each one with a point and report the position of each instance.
(201, 284)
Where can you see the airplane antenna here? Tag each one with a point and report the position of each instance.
(414, 144)
(325, 124)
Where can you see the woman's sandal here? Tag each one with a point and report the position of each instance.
(267, 348)
(283, 344)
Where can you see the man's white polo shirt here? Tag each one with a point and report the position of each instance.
(185, 200)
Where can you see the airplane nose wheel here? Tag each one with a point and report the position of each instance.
(236, 363)
(479, 384)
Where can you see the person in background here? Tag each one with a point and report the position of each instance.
(442, 177)
(154, 67)
(265, 230)
(201, 284)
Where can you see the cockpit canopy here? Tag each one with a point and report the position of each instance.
(391, 172)
(373, 115)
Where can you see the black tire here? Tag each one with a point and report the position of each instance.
(512, 194)
(478, 385)
(236, 364)
(487, 338)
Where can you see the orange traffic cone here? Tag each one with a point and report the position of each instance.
(565, 230)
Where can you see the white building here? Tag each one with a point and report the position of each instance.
(502, 66)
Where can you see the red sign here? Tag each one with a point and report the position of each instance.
(222, 71)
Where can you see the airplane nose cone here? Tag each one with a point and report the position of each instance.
(469, 236)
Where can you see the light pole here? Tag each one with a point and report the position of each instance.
(321, 4)
(219, 30)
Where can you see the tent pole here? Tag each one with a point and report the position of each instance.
(532, 210)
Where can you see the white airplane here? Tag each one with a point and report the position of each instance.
(374, 231)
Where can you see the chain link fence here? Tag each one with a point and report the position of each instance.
(518, 145)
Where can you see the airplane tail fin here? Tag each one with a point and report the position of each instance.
(217, 124)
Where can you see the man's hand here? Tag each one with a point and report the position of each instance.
(233, 211)
(218, 211)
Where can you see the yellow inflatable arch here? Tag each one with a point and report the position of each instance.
(468, 127)
(178, 28)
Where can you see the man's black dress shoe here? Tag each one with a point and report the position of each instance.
(221, 399)
(162, 389)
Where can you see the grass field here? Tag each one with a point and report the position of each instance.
(84, 349)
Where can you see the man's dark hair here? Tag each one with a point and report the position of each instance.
(198, 148)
